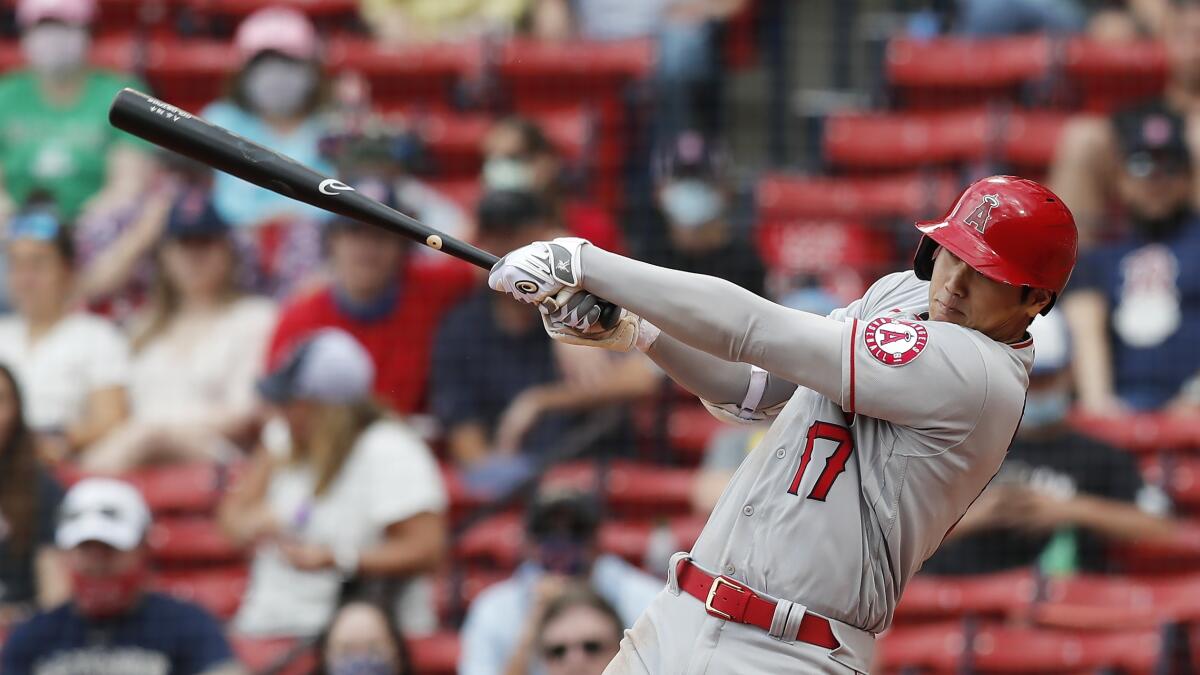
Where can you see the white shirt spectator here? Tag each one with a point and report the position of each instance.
(193, 371)
(389, 476)
(81, 354)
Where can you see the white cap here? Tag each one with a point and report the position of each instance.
(104, 510)
(1051, 343)
(330, 367)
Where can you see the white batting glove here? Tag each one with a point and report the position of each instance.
(539, 271)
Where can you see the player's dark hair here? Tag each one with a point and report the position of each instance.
(502, 213)
(403, 658)
(579, 595)
(18, 474)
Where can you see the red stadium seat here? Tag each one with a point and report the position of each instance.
(1107, 74)
(185, 488)
(1180, 555)
(937, 648)
(1181, 479)
(241, 8)
(261, 654)
(1030, 139)
(574, 63)
(629, 538)
(822, 247)
(217, 589)
(998, 649)
(690, 427)
(1141, 432)
(455, 139)
(404, 75)
(901, 141)
(930, 597)
(191, 540)
(116, 52)
(496, 540)
(631, 487)
(959, 71)
(907, 195)
(435, 654)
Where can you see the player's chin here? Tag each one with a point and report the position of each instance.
(938, 313)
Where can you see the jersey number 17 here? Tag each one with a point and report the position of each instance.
(835, 464)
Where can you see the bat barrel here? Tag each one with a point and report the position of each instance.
(178, 130)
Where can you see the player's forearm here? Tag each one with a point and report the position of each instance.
(722, 319)
(710, 378)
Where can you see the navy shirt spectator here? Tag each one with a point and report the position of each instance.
(113, 624)
(161, 636)
(1134, 305)
(1059, 497)
(500, 386)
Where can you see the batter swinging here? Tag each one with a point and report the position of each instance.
(891, 415)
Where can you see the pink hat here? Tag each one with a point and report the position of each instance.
(78, 12)
(279, 29)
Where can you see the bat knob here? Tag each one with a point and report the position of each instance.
(610, 315)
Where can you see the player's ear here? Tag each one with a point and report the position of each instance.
(1035, 300)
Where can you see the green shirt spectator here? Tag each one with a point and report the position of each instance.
(61, 149)
(54, 133)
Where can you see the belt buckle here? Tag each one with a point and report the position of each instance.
(712, 592)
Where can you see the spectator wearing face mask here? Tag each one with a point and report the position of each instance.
(362, 639)
(275, 99)
(519, 156)
(1059, 496)
(114, 623)
(54, 130)
(1134, 305)
(698, 233)
(501, 631)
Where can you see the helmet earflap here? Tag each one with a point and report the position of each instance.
(923, 260)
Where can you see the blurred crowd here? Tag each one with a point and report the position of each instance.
(345, 381)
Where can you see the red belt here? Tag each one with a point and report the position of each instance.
(729, 599)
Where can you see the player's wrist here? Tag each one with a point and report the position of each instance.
(647, 335)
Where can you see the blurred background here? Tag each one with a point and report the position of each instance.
(295, 444)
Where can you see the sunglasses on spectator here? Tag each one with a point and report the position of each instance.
(558, 652)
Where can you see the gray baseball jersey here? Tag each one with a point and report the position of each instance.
(840, 504)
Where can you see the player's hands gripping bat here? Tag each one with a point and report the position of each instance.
(174, 129)
(576, 322)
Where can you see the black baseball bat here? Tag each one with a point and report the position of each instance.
(177, 130)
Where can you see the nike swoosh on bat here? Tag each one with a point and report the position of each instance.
(333, 187)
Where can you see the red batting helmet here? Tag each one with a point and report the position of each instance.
(1010, 230)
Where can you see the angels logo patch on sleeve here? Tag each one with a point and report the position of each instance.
(894, 342)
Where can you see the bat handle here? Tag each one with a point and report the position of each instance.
(610, 314)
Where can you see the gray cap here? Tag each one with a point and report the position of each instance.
(330, 366)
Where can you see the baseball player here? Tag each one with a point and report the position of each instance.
(891, 415)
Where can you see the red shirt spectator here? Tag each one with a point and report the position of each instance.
(399, 340)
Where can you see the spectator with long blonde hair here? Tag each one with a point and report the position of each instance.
(338, 492)
(197, 349)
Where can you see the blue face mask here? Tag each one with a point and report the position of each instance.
(362, 664)
(1044, 409)
(692, 203)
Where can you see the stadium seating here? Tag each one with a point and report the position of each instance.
(784, 197)
(950, 71)
(932, 598)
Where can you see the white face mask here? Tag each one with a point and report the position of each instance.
(277, 87)
(55, 50)
(691, 203)
(505, 173)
